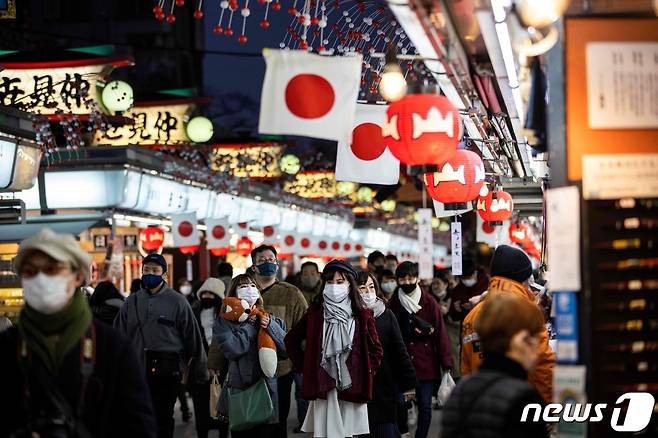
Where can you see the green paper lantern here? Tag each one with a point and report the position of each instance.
(364, 195)
(345, 188)
(290, 164)
(388, 205)
(199, 129)
(117, 96)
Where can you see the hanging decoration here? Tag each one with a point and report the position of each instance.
(220, 252)
(117, 96)
(346, 188)
(243, 246)
(458, 180)
(199, 129)
(312, 184)
(496, 207)
(364, 195)
(422, 129)
(151, 239)
(387, 205)
(290, 164)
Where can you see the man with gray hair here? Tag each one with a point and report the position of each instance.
(61, 373)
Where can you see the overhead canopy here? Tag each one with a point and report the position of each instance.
(60, 223)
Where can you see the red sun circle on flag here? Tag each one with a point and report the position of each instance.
(335, 246)
(242, 225)
(347, 247)
(305, 242)
(185, 229)
(309, 96)
(358, 247)
(289, 240)
(268, 231)
(322, 244)
(488, 228)
(367, 142)
(218, 232)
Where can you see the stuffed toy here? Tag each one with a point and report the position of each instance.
(239, 310)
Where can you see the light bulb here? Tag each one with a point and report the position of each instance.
(117, 96)
(541, 13)
(393, 86)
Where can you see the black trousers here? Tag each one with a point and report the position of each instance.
(202, 419)
(284, 387)
(164, 391)
(262, 431)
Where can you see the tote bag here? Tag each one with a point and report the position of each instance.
(250, 407)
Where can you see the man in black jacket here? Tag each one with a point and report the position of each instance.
(60, 372)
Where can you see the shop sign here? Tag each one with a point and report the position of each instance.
(616, 176)
(101, 241)
(152, 124)
(314, 184)
(247, 161)
(46, 88)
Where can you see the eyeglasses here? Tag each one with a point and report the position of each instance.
(29, 271)
(264, 260)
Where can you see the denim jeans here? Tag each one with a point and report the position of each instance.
(424, 392)
(302, 405)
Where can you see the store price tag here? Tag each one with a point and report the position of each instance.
(456, 238)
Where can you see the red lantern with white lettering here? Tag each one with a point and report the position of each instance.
(151, 239)
(457, 181)
(496, 207)
(220, 252)
(422, 129)
(244, 246)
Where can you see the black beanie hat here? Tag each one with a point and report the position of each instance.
(512, 263)
(339, 265)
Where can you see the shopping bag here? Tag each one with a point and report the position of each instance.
(447, 385)
(215, 388)
(250, 407)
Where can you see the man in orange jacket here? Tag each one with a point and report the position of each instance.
(510, 271)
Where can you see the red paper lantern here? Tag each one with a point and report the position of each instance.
(496, 207)
(458, 180)
(151, 238)
(221, 251)
(520, 234)
(189, 249)
(422, 129)
(244, 246)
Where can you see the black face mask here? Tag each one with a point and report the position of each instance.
(207, 303)
(408, 288)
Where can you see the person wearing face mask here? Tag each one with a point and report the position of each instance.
(206, 309)
(396, 373)
(439, 289)
(309, 279)
(341, 356)
(234, 355)
(59, 367)
(376, 262)
(285, 301)
(473, 283)
(511, 270)
(388, 285)
(491, 402)
(163, 329)
(186, 289)
(425, 336)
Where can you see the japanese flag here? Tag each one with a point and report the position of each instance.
(367, 159)
(217, 234)
(294, 243)
(270, 235)
(184, 229)
(310, 95)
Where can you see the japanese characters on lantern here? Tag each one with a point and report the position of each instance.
(457, 181)
(496, 207)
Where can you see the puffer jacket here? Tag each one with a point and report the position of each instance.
(541, 377)
(238, 343)
(489, 404)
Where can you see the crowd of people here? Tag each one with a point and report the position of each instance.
(363, 348)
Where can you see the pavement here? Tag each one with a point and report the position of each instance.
(187, 430)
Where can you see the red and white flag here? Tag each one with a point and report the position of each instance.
(367, 159)
(295, 243)
(310, 95)
(184, 229)
(217, 235)
(270, 235)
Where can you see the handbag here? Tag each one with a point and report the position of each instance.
(215, 389)
(421, 328)
(248, 408)
(159, 363)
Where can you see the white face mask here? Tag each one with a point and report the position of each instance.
(249, 294)
(186, 289)
(469, 282)
(369, 298)
(389, 286)
(336, 292)
(45, 293)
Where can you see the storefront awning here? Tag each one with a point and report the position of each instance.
(60, 223)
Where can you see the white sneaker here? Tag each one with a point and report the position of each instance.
(412, 415)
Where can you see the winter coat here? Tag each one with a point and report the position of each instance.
(108, 310)
(541, 377)
(396, 373)
(462, 294)
(286, 302)
(363, 361)
(432, 355)
(117, 402)
(489, 404)
(238, 342)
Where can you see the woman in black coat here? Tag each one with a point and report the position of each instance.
(105, 302)
(396, 373)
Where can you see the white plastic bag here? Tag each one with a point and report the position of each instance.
(447, 385)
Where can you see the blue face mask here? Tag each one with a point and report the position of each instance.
(267, 269)
(151, 281)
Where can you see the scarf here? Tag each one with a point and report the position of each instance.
(51, 337)
(410, 302)
(338, 332)
(379, 307)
